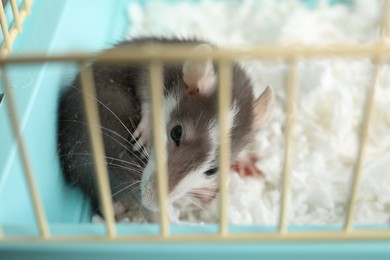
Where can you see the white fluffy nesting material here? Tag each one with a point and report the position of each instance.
(331, 98)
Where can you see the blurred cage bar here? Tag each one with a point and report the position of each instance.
(9, 33)
(378, 51)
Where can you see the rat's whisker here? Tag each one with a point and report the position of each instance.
(125, 188)
(105, 157)
(135, 170)
(112, 138)
(193, 202)
(119, 120)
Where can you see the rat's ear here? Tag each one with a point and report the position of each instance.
(199, 75)
(262, 106)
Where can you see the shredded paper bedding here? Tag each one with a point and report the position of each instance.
(330, 105)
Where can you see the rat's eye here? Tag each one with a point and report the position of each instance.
(176, 134)
(211, 171)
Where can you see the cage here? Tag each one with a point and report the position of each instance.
(45, 41)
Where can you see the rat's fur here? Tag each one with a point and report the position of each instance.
(120, 90)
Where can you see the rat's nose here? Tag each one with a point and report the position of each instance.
(149, 196)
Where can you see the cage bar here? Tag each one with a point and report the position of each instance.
(290, 111)
(96, 140)
(306, 236)
(27, 6)
(15, 11)
(37, 203)
(225, 123)
(385, 20)
(4, 27)
(19, 16)
(367, 115)
(157, 95)
(368, 110)
(178, 53)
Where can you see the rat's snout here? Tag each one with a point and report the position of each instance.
(149, 187)
(149, 196)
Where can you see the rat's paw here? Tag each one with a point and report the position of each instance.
(119, 213)
(119, 210)
(97, 219)
(141, 135)
(245, 165)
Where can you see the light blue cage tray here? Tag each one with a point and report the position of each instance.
(90, 25)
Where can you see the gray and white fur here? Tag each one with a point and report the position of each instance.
(191, 121)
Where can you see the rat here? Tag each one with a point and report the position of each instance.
(191, 121)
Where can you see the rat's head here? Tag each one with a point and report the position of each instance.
(191, 118)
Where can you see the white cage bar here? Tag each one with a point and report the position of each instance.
(10, 34)
(290, 111)
(224, 115)
(96, 140)
(15, 11)
(367, 114)
(157, 94)
(4, 28)
(36, 200)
